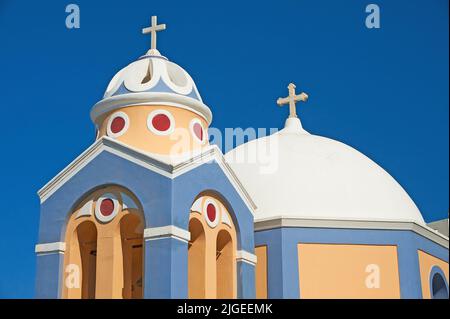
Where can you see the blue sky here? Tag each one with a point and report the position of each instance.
(383, 91)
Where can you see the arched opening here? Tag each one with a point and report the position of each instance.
(131, 232)
(196, 260)
(439, 289)
(104, 247)
(224, 264)
(86, 234)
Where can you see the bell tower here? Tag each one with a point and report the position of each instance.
(149, 201)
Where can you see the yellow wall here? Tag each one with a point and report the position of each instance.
(343, 271)
(140, 137)
(261, 272)
(426, 262)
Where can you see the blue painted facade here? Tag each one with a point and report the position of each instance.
(282, 254)
(165, 201)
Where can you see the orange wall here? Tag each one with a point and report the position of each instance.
(426, 262)
(261, 272)
(343, 271)
(139, 136)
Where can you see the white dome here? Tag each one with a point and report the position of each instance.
(150, 80)
(299, 175)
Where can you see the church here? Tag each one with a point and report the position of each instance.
(153, 210)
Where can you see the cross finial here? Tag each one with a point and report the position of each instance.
(152, 30)
(292, 99)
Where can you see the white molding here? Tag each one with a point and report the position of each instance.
(423, 230)
(167, 231)
(123, 130)
(150, 98)
(55, 247)
(245, 256)
(122, 150)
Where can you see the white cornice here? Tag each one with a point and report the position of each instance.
(245, 256)
(167, 231)
(425, 231)
(148, 161)
(48, 248)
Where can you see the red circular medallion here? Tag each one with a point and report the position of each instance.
(211, 212)
(161, 122)
(198, 131)
(117, 124)
(107, 207)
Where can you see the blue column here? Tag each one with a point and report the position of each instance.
(166, 268)
(49, 276)
(409, 269)
(246, 280)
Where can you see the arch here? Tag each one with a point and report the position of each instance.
(438, 284)
(212, 250)
(225, 268)
(76, 204)
(217, 195)
(119, 226)
(196, 259)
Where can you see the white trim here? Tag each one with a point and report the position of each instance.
(86, 209)
(423, 230)
(167, 231)
(55, 247)
(191, 128)
(153, 129)
(171, 171)
(245, 256)
(215, 222)
(150, 98)
(123, 130)
(98, 214)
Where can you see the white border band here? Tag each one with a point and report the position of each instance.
(167, 231)
(245, 256)
(47, 248)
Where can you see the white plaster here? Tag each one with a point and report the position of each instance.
(197, 206)
(86, 210)
(226, 219)
(102, 218)
(287, 221)
(317, 177)
(125, 128)
(153, 129)
(167, 231)
(55, 247)
(245, 256)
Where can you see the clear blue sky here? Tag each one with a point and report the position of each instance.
(384, 92)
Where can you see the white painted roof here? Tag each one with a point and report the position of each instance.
(301, 175)
(151, 80)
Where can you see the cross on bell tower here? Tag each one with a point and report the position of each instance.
(155, 27)
(291, 99)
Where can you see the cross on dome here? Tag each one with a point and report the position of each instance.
(292, 99)
(155, 27)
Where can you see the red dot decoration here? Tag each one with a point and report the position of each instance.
(198, 131)
(161, 122)
(117, 124)
(211, 212)
(107, 207)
